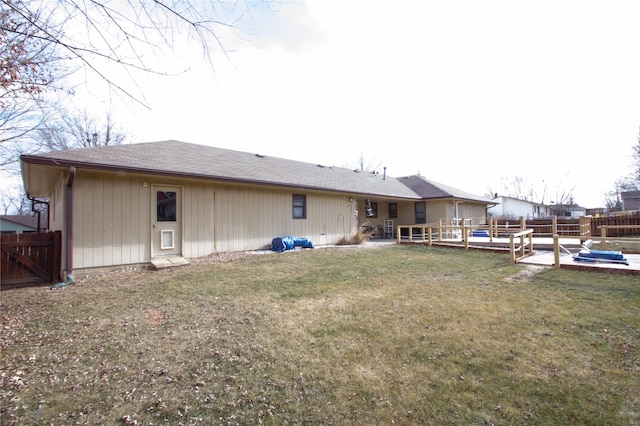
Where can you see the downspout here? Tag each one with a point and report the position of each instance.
(68, 219)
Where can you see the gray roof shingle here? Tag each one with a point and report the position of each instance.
(193, 160)
(23, 220)
(429, 189)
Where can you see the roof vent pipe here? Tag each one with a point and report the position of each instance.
(384, 173)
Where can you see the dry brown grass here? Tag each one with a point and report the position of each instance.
(404, 335)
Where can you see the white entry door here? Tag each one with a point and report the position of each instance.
(166, 221)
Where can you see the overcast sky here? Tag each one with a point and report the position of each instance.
(463, 92)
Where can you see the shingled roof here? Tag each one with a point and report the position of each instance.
(23, 220)
(182, 159)
(429, 190)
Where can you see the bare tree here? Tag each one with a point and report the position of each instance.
(43, 44)
(102, 36)
(14, 202)
(69, 131)
(515, 187)
(28, 61)
(524, 189)
(80, 130)
(365, 164)
(636, 159)
(28, 67)
(613, 199)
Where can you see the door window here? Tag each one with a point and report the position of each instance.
(166, 206)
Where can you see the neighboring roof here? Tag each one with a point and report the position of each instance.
(23, 220)
(567, 207)
(519, 199)
(630, 194)
(191, 160)
(429, 189)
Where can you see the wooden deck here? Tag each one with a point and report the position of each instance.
(543, 253)
(498, 244)
(546, 258)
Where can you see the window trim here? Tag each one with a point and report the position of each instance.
(299, 201)
(373, 205)
(393, 210)
(424, 211)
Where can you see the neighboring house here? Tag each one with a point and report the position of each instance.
(514, 207)
(17, 224)
(567, 210)
(630, 200)
(130, 204)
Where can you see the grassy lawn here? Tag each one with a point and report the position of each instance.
(398, 334)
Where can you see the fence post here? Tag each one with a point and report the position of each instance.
(491, 228)
(465, 236)
(585, 226)
(554, 225)
(603, 234)
(430, 231)
(512, 249)
(523, 223)
(556, 251)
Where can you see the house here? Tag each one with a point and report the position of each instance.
(630, 200)
(567, 210)
(17, 224)
(440, 201)
(131, 204)
(514, 207)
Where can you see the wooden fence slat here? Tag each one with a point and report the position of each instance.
(30, 258)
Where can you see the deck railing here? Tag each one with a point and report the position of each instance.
(525, 249)
(458, 228)
(520, 241)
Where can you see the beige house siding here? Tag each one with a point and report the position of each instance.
(437, 210)
(475, 211)
(198, 214)
(248, 218)
(56, 214)
(113, 216)
(406, 214)
(111, 221)
(56, 203)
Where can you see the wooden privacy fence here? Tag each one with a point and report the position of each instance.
(617, 226)
(30, 259)
(548, 227)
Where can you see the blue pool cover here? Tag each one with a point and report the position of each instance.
(601, 256)
(480, 233)
(281, 244)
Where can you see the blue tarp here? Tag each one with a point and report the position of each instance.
(603, 256)
(479, 233)
(281, 244)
